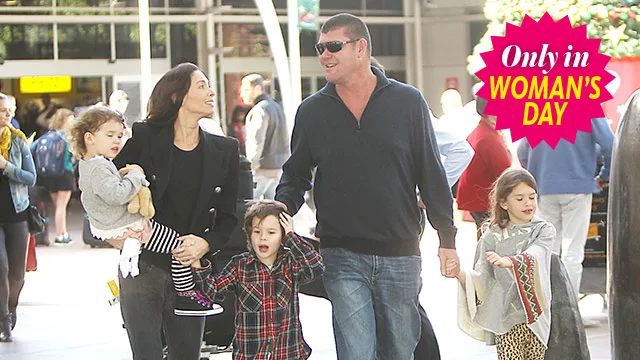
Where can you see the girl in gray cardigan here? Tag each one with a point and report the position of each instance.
(506, 298)
(96, 138)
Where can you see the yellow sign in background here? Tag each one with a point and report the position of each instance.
(45, 84)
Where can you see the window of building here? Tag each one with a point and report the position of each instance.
(25, 42)
(80, 3)
(83, 41)
(476, 32)
(128, 41)
(176, 3)
(332, 7)
(246, 40)
(25, 2)
(387, 40)
(184, 44)
(241, 4)
(360, 7)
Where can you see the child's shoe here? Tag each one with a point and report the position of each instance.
(62, 239)
(66, 239)
(191, 303)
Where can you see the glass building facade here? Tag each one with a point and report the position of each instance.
(97, 42)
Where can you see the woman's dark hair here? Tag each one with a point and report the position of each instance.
(502, 188)
(260, 209)
(166, 97)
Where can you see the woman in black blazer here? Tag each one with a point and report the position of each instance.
(193, 179)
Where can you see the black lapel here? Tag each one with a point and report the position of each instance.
(212, 175)
(162, 157)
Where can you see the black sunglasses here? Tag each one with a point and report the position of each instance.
(333, 46)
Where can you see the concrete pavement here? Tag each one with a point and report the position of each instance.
(64, 311)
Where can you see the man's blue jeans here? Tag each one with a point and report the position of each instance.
(375, 304)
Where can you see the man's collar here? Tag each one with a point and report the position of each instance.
(263, 96)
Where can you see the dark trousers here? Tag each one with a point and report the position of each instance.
(14, 240)
(147, 303)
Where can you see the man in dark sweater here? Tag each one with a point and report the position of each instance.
(372, 142)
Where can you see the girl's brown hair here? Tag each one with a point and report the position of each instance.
(502, 188)
(89, 122)
(59, 119)
(261, 209)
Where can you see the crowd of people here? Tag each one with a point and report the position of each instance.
(377, 161)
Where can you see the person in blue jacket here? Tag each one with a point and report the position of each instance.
(567, 177)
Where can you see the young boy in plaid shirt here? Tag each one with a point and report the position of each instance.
(265, 280)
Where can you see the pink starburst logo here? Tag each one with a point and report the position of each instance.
(544, 80)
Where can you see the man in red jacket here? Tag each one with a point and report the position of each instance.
(489, 161)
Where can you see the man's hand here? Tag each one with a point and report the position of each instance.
(192, 249)
(601, 184)
(450, 256)
(287, 222)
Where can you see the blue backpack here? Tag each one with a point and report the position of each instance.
(48, 153)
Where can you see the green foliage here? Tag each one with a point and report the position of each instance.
(600, 16)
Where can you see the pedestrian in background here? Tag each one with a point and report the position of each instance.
(60, 182)
(490, 159)
(17, 174)
(267, 141)
(567, 177)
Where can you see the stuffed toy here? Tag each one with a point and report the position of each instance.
(142, 202)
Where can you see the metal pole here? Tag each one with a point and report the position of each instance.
(222, 92)
(112, 35)
(279, 51)
(417, 14)
(294, 59)
(211, 45)
(55, 32)
(145, 55)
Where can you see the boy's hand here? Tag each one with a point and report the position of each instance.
(497, 260)
(287, 222)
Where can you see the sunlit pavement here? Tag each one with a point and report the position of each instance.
(64, 311)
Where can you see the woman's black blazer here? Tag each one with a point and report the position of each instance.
(151, 147)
